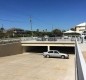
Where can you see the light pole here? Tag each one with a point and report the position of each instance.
(31, 26)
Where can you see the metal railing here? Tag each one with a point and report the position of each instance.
(47, 39)
(80, 65)
(9, 40)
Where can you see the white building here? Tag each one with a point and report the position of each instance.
(81, 28)
(71, 33)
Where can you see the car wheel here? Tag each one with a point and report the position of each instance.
(47, 56)
(63, 57)
(68, 58)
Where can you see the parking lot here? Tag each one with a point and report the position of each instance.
(33, 66)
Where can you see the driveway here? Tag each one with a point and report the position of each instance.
(34, 67)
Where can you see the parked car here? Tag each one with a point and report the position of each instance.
(55, 53)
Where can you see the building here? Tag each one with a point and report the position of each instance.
(71, 33)
(80, 28)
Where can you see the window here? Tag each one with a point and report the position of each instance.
(55, 51)
(50, 52)
(84, 32)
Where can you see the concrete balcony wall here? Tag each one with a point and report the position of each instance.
(10, 49)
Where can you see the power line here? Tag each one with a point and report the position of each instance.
(11, 21)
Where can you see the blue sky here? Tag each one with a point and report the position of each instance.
(61, 14)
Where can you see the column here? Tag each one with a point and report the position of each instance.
(48, 47)
(24, 49)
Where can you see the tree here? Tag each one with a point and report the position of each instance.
(2, 32)
(73, 29)
(63, 31)
(45, 30)
(37, 30)
(2, 29)
(56, 32)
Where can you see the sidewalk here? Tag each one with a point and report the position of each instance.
(83, 49)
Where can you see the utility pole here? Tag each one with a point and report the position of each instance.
(52, 27)
(2, 28)
(31, 26)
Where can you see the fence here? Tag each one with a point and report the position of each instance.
(80, 64)
(11, 40)
(47, 39)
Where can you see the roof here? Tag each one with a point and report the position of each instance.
(69, 31)
(81, 24)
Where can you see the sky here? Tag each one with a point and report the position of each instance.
(45, 14)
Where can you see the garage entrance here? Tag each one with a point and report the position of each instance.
(36, 49)
(68, 50)
(41, 49)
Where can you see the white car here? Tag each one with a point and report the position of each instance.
(55, 53)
